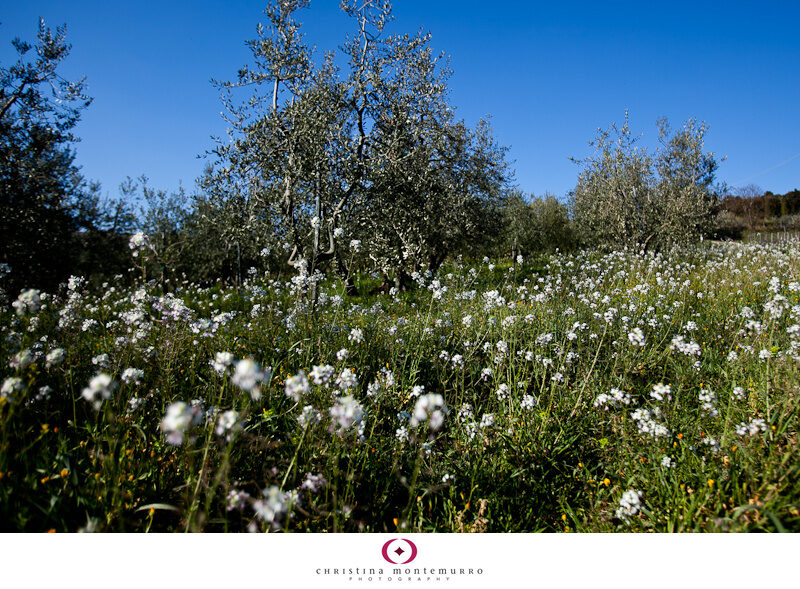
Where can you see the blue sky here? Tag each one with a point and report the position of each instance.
(549, 74)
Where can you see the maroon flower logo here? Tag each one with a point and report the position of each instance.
(399, 551)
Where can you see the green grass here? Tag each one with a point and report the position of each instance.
(557, 463)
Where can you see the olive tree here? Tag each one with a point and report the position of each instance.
(434, 186)
(627, 197)
(258, 178)
(536, 224)
(40, 185)
(364, 151)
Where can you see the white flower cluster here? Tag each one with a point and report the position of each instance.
(492, 299)
(691, 348)
(345, 413)
(228, 424)
(776, 307)
(236, 500)
(138, 242)
(437, 289)
(646, 423)
(11, 385)
(22, 359)
(708, 398)
(322, 375)
(249, 377)
(28, 301)
(417, 390)
(487, 420)
(661, 391)
(383, 381)
(401, 433)
(502, 392)
(101, 360)
(54, 357)
(615, 398)
(100, 388)
(629, 504)
(346, 380)
(309, 416)
(313, 483)
(297, 386)
(429, 408)
(179, 418)
(273, 505)
(636, 337)
(752, 428)
(712, 443)
(221, 362)
(132, 375)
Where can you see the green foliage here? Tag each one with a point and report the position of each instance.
(537, 225)
(727, 226)
(52, 222)
(758, 209)
(39, 183)
(626, 197)
(371, 152)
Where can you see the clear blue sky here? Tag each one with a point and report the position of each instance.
(549, 73)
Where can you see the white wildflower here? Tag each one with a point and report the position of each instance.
(100, 388)
(487, 420)
(132, 375)
(636, 337)
(248, 376)
(297, 386)
(178, 419)
(228, 424)
(221, 362)
(11, 385)
(272, 507)
(356, 335)
(28, 301)
(309, 416)
(347, 380)
(321, 375)
(629, 504)
(429, 408)
(345, 413)
(55, 356)
(502, 392)
(661, 391)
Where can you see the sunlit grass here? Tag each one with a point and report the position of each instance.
(543, 386)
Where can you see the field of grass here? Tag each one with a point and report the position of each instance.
(584, 392)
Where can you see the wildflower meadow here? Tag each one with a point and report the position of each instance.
(350, 312)
(585, 392)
